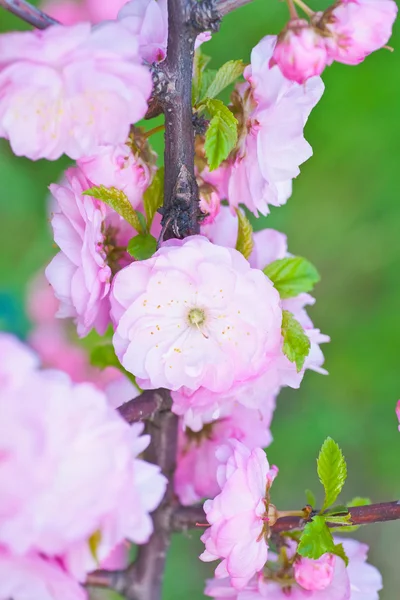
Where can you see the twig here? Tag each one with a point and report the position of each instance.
(28, 13)
(145, 406)
(188, 517)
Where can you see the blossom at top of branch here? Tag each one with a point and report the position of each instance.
(239, 514)
(194, 314)
(272, 112)
(278, 581)
(68, 90)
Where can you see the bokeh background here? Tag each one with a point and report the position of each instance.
(344, 216)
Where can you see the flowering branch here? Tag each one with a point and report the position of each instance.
(28, 13)
(188, 517)
(145, 406)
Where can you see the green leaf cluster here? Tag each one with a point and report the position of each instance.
(119, 202)
(296, 344)
(292, 276)
(221, 135)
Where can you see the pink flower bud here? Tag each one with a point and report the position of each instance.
(300, 52)
(315, 574)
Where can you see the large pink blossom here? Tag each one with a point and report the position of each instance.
(70, 89)
(357, 28)
(359, 581)
(69, 469)
(119, 167)
(272, 112)
(91, 237)
(238, 515)
(148, 20)
(35, 578)
(199, 315)
(197, 463)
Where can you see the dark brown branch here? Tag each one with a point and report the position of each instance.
(180, 209)
(28, 13)
(226, 6)
(187, 517)
(145, 406)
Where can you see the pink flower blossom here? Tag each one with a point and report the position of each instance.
(32, 576)
(300, 52)
(117, 166)
(199, 314)
(357, 28)
(148, 20)
(197, 463)
(67, 12)
(272, 112)
(238, 515)
(359, 581)
(314, 574)
(70, 89)
(60, 443)
(17, 362)
(90, 236)
(398, 412)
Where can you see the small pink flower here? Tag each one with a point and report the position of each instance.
(272, 113)
(238, 516)
(117, 166)
(34, 577)
(197, 463)
(60, 443)
(209, 205)
(357, 28)
(300, 52)
(199, 314)
(91, 237)
(314, 574)
(70, 89)
(148, 20)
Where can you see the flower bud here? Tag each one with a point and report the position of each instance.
(315, 575)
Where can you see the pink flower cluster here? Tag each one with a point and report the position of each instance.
(346, 32)
(324, 579)
(272, 112)
(70, 89)
(69, 476)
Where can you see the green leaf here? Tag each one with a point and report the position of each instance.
(142, 246)
(154, 196)
(358, 501)
(207, 79)
(296, 344)
(338, 519)
(310, 497)
(200, 63)
(104, 356)
(226, 75)
(332, 471)
(221, 135)
(340, 551)
(292, 276)
(316, 539)
(244, 243)
(118, 200)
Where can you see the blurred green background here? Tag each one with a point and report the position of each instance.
(344, 216)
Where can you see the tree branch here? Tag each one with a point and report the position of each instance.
(180, 209)
(143, 579)
(145, 406)
(187, 517)
(28, 13)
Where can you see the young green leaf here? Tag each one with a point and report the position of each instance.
(104, 356)
(221, 135)
(310, 498)
(296, 344)
(118, 201)
(244, 243)
(316, 539)
(142, 246)
(339, 550)
(200, 63)
(154, 196)
(226, 75)
(358, 501)
(332, 471)
(292, 276)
